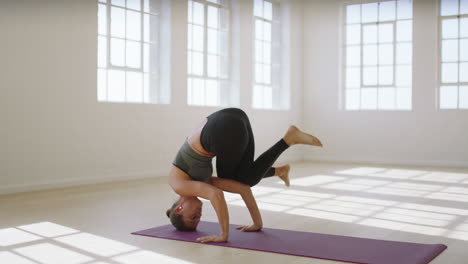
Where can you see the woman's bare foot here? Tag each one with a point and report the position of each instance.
(295, 136)
(283, 173)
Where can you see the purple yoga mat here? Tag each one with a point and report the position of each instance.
(314, 245)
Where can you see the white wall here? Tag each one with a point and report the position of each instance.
(53, 131)
(423, 136)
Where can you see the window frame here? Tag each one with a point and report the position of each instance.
(344, 66)
(155, 91)
(440, 84)
(224, 94)
(362, 25)
(109, 37)
(275, 68)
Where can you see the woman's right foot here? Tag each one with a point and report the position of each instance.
(283, 173)
(295, 136)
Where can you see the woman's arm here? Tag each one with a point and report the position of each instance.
(247, 195)
(182, 185)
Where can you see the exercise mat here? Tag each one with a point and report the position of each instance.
(306, 244)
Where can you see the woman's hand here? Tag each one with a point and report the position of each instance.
(216, 238)
(252, 228)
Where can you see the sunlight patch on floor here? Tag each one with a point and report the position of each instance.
(424, 230)
(11, 258)
(367, 201)
(448, 177)
(353, 205)
(148, 257)
(52, 254)
(264, 206)
(448, 196)
(404, 227)
(290, 197)
(229, 197)
(261, 190)
(367, 182)
(389, 215)
(355, 184)
(421, 214)
(396, 188)
(398, 173)
(432, 208)
(47, 229)
(418, 175)
(319, 195)
(380, 212)
(461, 235)
(95, 244)
(460, 232)
(324, 215)
(281, 201)
(416, 186)
(13, 236)
(397, 192)
(346, 186)
(50, 243)
(342, 208)
(361, 171)
(315, 180)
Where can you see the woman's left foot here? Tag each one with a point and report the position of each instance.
(295, 136)
(283, 173)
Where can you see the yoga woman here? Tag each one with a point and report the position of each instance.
(227, 135)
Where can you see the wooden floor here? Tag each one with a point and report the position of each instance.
(92, 224)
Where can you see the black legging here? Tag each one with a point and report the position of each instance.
(228, 135)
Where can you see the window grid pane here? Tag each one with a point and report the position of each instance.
(378, 60)
(128, 58)
(208, 50)
(453, 55)
(266, 54)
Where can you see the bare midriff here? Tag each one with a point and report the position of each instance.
(194, 141)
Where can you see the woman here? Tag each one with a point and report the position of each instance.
(226, 134)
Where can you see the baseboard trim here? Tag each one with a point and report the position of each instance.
(54, 184)
(62, 183)
(396, 162)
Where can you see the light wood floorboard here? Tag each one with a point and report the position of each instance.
(414, 204)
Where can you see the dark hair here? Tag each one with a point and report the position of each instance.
(176, 219)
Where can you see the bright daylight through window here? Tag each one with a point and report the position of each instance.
(267, 82)
(378, 55)
(129, 52)
(208, 52)
(454, 54)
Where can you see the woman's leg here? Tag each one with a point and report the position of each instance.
(230, 141)
(236, 148)
(252, 172)
(237, 162)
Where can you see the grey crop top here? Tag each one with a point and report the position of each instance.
(198, 167)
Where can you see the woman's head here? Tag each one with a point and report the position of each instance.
(185, 213)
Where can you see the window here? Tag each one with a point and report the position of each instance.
(378, 55)
(129, 52)
(453, 54)
(208, 52)
(267, 55)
